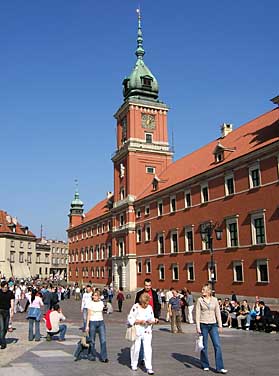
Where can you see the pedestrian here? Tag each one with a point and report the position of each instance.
(153, 302)
(55, 317)
(120, 298)
(6, 311)
(175, 312)
(34, 315)
(95, 324)
(86, 299)
(168, 297)
(142, 316)
(208, 321)
(190, 306)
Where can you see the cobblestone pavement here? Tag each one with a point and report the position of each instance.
(249, 353)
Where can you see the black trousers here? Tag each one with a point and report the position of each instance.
(4, 324)
(120, 302)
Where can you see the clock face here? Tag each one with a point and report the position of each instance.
(148, 121)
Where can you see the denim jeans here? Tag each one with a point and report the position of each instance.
(98, 327)
(212, 330)
(62, 331)
(31, 330)
(4, 324)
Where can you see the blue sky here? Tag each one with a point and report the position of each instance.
(61, 70)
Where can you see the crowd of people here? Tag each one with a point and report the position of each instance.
(41, 303)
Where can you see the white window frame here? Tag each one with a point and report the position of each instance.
(146, 227)
(203, 186)
(148, 134)
(172, 242)
(160, 204)
(138, 235)
(109, 250)
(173, 267)
(209, 271)
(147, 210)
(149, 168)
(230, 221)
(139, 267)
(158, 243)
(252, 168)
(227, 178)
(160, 268)
(121, 220)
(254, 216)
(122, 193)
(148, 266)
(138, 213)
(173, 210)
(191, 265)
(186, 230)
(259, 263)
(187, 192)
(121, 253)
(235, 264)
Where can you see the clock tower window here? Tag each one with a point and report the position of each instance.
(148, 138)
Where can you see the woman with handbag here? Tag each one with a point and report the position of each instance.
(34, 315)
(209, 322)
(142, 317)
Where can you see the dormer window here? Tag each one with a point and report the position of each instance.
(146, 81)
(219, 156)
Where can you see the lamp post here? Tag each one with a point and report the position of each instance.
(206, 232)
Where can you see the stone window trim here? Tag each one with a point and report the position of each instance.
(255, 215)
(235, 264)
(215, 271)
(148, 266)
(174, 270)
(161, 270)
(204, 193)
(173, 207)
(187, 199)
(254, 176)
(259, 263)
(189, 228)
(160, 208)
(229, 190)
(188, 266)
(174, 241)
(230, 220)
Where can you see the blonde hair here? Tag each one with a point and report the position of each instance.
(144, 299)
(208, 288)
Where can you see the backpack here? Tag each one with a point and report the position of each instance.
(47, 320)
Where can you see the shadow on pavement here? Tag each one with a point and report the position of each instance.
(188, 360)
(123, 357)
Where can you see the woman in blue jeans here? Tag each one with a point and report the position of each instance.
(95, 324)
(209, 322)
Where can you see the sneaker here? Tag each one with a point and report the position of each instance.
(225, 324)
(134, 368)
(230, 326)
(206, 369)
(150, 372)
(247, 328)
(222, 371)
(105, 360)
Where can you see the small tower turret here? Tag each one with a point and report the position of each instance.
(76, 211)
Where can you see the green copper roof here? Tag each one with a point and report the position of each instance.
(141, 83)
(76, 203)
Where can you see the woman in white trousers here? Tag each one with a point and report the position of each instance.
(141, 315)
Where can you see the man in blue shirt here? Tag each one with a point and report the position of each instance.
(175, 313)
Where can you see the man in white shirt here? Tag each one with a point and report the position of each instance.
(168, 297)
(86, 299)
(55, 317)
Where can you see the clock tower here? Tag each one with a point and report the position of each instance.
(143, 150)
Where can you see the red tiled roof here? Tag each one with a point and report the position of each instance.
(6, 222)
(251, 136)
(98, 210)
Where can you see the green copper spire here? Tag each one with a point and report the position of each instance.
(76, 204)
(141, 83)
(140, 51)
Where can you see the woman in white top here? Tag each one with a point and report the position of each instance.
(95, 324)
(209, 322)
(34, 315)
(142, 316)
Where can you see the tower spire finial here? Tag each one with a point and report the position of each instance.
(140, 50)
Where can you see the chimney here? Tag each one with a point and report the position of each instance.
(226, 128)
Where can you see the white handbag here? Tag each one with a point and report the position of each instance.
(131, 333)
(199, 344)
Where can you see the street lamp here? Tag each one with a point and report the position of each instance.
(206, 232)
